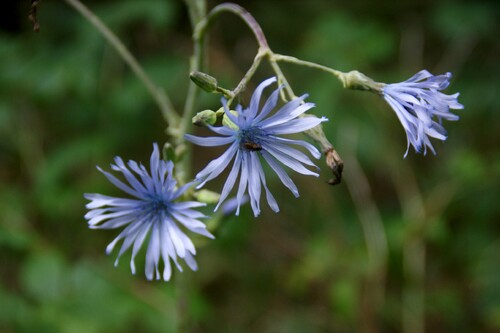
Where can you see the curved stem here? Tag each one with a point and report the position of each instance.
(238, 11)
(202, 27)
(157, 93)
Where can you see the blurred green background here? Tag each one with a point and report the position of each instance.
(401, 245)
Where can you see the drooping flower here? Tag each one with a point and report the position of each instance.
(421, 107)
(255, 134)
(152, 211)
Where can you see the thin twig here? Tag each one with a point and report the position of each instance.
(157, 93)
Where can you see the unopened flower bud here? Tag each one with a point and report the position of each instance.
(204, 118)
(204, 81)
(207, 196)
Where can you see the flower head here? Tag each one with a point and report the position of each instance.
(255, 134)
(152, 210)
(418, 103)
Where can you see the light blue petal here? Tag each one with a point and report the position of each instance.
(215, 167)
(296, 125)
(255, 101)
(153, 254)
(282, 175)
(313, 150)
(121, 185)
(293, 153)
(243, 181)
(271, 201)
(254, 187)
(290, 162)
(269, 105)
(231, 179)
(211, 141)
(284, 117)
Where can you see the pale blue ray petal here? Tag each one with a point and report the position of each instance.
(215, 167)
(282, 118)
(269, 105)
(210, 141)
(121, 185)
(255, 101)
(222, 130)
(243, 181)
(294, 153)
(99, 200)
(423, 74)
(176, 240)
(313, 150)
(290, 162)
(271, 201)
(282, 175)
(153, 254)
(131, 179)
(141, 236)
(166, 249)
(115, 222)
(188, 222)
(296, 125)
(254, 187)
(231, 179)
(191, 262)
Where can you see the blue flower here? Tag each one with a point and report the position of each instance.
(255, 135)
(418, 103)
(153, 211)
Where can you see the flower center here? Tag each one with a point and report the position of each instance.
(251, 138)
(157, 205)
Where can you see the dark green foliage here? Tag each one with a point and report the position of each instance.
(68, 103)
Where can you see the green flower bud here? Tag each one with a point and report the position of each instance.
(204, 118)
(207, 196)
(204, 81)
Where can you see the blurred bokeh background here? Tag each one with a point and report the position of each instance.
(401, 245)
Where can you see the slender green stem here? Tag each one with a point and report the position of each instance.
(196, 63)
(294, 60)
(350, 80)
(282, 80)
(248, 75)
(197, 12)
(157, 93)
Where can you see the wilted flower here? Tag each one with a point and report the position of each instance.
(152, 211)
(254, 134)
(418, 103)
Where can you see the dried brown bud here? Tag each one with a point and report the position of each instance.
(335, 164)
